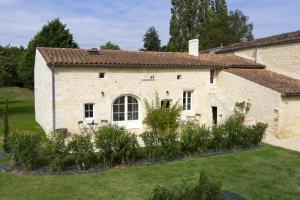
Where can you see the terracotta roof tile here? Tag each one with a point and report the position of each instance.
(281, 83)
(66, 56)
(284, 38)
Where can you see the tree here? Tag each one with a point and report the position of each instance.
(54, 34)
(9, 59)
(151, 40)
(207, 20)
(110, 45)
(5, 127)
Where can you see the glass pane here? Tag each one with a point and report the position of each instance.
(189, 94)
(189, 107)
(121, 117)
(115, 117)
(86, 114)
(91, 114)
(115, 108)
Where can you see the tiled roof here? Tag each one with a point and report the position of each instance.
(67, 56)
(283, 84)
(267, 41)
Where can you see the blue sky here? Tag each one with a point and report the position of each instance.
(93, 22)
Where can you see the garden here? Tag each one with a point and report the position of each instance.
(177, 161)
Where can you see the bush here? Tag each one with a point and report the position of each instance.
(57, 151)
(257, 133)
(82, 148)
(234, 130)
(24, 147)
(169, 144)
(151, 142)
(116, 145)
(161, 118)
(219, 137)
(194, 137)
(205, 189)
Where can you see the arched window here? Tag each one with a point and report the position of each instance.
(125, 108)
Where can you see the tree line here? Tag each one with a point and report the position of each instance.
(208, 20)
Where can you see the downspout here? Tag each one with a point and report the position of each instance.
(53, 100)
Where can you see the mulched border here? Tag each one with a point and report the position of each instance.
(73, 170)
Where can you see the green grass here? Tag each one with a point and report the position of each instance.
(267, 173)
(21, 109)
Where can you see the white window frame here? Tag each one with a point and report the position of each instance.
(185, 96)
(214, 76)
(84, 111)
(128, 124)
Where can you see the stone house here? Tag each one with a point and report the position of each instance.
(110, 86)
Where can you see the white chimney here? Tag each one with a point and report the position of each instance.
(194, 47)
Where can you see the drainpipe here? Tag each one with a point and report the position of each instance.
(53, 100)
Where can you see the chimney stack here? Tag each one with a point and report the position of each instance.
(194, 47)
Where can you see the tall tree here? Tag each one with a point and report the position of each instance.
(207, 20)
(54, 34)
(151, 40)
(9, 60)
(110, 45)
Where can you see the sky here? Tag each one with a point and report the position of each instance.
(94, 22)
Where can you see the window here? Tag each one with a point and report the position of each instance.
(88, 111)
(125, 108)
(212, 76)
(165, 103)
(187, 100)
(101, 75)
(178, 77)
(214, 110)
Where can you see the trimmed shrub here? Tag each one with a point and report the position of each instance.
(257, 133)
(219, 137)
(234, 130)
(82, 148)
(205, 189)
(24, 148)
(169, 144)
(116, 145)
(151, 142)
(194, 137)
(57, 152)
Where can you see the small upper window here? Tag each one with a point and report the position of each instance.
(165, 103)
(178, 77)
(212, 76)
(101, 75)
(88, 110)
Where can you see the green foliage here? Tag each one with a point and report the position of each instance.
(169, 144)
(258, 132)
(116, 145)
(151, 142)
(194, 137)
(110, 45)
(207, 20)
(219, 137)
(205, 189)
(151, 40)
(24, 147)
(82, 148)
(234, 129)
(241, 109)
(5, 127)
(57, 152)
(9, 60)
(54, 34)
(161, 119)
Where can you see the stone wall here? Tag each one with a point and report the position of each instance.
(283, 59)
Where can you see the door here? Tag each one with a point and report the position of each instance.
(214, 115)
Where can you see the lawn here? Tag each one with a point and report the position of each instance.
(267, 173)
